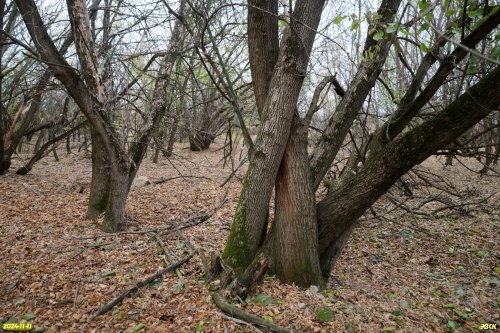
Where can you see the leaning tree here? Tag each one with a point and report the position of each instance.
(303, 241)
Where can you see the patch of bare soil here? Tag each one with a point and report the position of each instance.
(433, 272)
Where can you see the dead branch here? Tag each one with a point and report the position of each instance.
(195, 220)
(238, 321)
(243, 161)
(164, 180)
(233, 311)
(108, 306)
(187, 223)
(168, 255)
(27, 168)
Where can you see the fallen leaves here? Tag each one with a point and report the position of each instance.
(391, 276)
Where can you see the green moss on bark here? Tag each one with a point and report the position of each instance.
(97, 206)
(237, 252)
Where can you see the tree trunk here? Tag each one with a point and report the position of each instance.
(263, 46)
(100, 183)
(4, 160)
(119, 186)
(249, 223)
(4, 155)
(489, 157)
(341, 208)
(294, 231)
(200, 140)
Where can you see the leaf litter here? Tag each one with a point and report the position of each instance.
(403, 273)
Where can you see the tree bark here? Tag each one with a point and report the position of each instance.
(410, 105)
(119, 186)
(249, 223)
(294, 254)
(100, 183)
(263, 46)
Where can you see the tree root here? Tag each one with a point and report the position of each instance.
(252, 276)
(233, 311)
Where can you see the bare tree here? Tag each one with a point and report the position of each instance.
(114, 167)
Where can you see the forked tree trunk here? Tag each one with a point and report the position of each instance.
(274, 140)
(112, 170)
(249, 223)
(339, 211)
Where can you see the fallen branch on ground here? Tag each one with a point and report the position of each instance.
(108, 306)
(233, 311)
(238, 321)
(163, 180)
(187, 223)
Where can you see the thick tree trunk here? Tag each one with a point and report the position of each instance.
(294, 231)
(119, 186)
(100, 183)
(249, 223)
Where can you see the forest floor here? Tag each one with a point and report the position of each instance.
(433, 272)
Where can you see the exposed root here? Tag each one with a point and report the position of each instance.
(252, 276)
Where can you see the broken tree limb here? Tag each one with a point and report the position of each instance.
(108, 306)
(233, 311)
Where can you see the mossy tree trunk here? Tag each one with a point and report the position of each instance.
(341, 208)
(250, 221)
(305, 238)
(113, 166)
